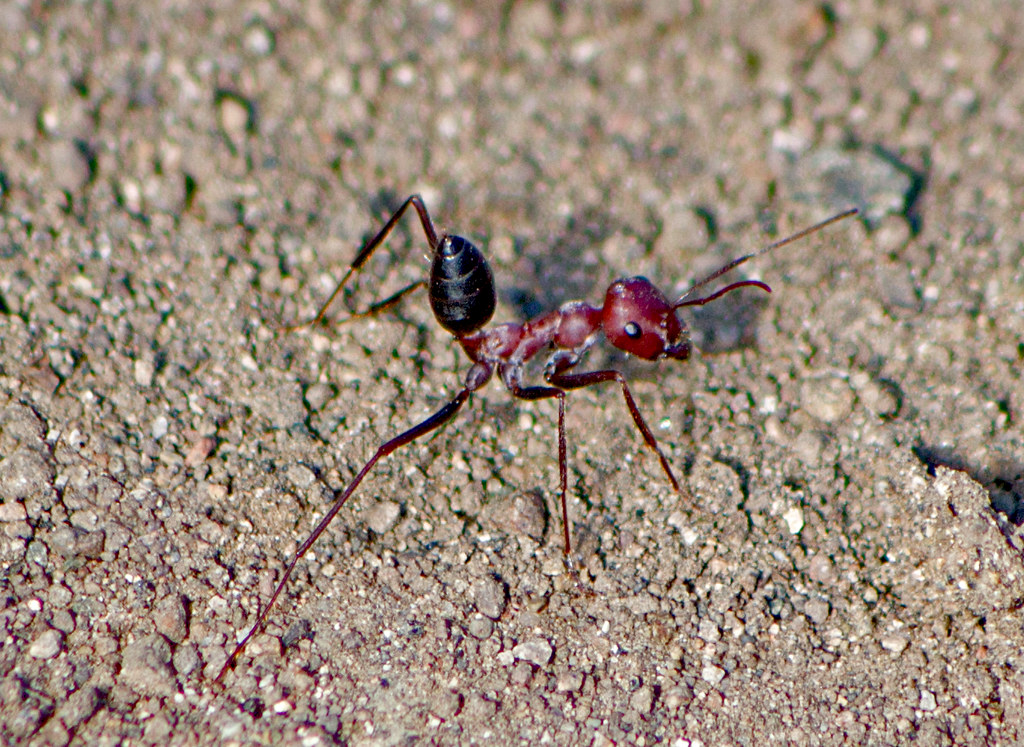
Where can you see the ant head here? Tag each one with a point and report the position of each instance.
(638, 319)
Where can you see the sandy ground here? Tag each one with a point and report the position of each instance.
(178, 181)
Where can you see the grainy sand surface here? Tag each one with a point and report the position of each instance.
(178, 180)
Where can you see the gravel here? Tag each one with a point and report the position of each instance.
(179, 184)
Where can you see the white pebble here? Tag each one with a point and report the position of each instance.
(537, 651)
(794, 519)
(46, 646)
(712, 674)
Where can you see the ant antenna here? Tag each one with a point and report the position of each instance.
(681, 301)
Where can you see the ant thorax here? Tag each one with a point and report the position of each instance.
(574, 326)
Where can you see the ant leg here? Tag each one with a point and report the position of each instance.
(373, 310)
(383, 305)
(558, 377)
(435, 421)
(364, 254)
(545, 392)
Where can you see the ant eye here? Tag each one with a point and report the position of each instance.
(632, 330)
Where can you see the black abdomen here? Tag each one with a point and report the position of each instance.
(461, 286)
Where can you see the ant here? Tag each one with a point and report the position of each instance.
(636, 317)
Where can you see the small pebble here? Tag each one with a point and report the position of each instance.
(894, 643)
(569, 682)
(820, 569)
(259, 40)
(712, 674)
(828, 398)
(642, 700)
(79, 706)
(536, 651)
(856, 46)
(235, 115)
(481, 627)
(171, 618)
(381, 517)
(13, 511)
(146, 666)
(186, 659)
(160, 426)
(794, 519)
(816, 610)
(488, 594)
(200, 450)
(301, 476)
(46, 646)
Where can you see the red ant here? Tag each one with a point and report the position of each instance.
(636, 317)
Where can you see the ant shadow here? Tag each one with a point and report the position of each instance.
(567, 267)
(725, 327)
(570, 267)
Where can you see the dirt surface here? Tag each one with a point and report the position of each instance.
(178, 180)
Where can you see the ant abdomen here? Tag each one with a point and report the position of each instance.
(461, 286)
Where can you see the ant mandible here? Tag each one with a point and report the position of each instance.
(636, 317)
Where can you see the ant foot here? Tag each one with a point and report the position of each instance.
(574, 574)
